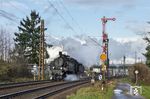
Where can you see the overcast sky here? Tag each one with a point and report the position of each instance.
(81, 17)
(67, 18)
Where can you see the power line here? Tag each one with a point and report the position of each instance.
(94, 41)
(61, 16)
(51, 5)
(47, 9)
(69, 14)
(71, 18)
(10, 3)
(9, 16)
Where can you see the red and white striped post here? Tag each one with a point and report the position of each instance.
(105, 41)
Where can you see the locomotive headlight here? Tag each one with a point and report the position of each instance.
(61, 73)
(51, 78)
(61, 68)
(53, 67)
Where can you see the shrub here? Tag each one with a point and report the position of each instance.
(11, 71)
(143, 75)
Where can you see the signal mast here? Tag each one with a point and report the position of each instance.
(105, 54)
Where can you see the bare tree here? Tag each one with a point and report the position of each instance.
(5, 44)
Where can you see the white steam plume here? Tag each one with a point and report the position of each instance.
(87, 52)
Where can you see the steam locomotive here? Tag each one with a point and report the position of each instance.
(64, 65)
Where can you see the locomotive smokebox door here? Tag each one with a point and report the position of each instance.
(60, 54)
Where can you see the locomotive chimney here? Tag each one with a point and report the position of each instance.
(60, 54)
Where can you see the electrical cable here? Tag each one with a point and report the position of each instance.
(61, 16)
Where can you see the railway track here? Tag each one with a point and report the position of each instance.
(13, 87)
(20, 84)
(43, 91)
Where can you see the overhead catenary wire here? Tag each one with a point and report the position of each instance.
(69, 14)
(61, 16)
(67, 11)
(1, 3)
(95, 41)
(9, 16)
(17, 8)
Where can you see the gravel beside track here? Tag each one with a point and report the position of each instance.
(23, 86)
(42, 91)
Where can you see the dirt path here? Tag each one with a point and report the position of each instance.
(122, 92)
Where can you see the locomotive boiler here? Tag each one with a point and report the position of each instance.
(64, 65)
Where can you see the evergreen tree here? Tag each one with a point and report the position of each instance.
(28, 38)
(147, 54)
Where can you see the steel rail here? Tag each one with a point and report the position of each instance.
(21, 84)
(19, 93)
(60, 90)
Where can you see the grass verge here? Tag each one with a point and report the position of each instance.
(94, 92)
(146, 91)
(145, 88)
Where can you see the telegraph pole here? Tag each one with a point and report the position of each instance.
(135, 57)
(124, 63)
(41, 52)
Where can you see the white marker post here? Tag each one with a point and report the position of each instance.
(100, 77)
(136, 76)
(135, 90)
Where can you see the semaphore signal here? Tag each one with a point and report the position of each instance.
(105, 41)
